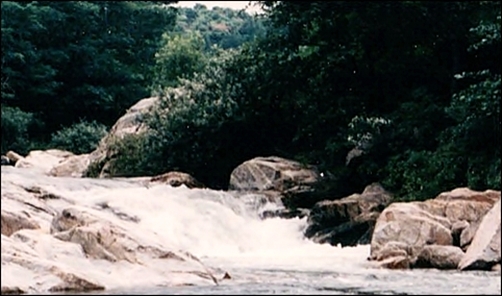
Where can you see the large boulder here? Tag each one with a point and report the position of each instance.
(5, 160)
(72, 166)
(176, 179)
(447, 220)
(100, 239)
(12, 222)
(348, 221)
(485, 251)
(130, 123)
(462, 204)
(409, 224)
(13, 157)
(393, 249)
(289, 178)
(457, 229)
(467, 235)
(43, 160)
(55, 241)
(439, 257)
(396, 262)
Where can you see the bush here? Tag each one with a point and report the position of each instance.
(191, 130)
(17, 126)
(133, 156)
(82, 137)
(420, 175)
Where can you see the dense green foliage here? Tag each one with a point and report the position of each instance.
(194, 130)
(74, 60)
(82, 137)
(19, 128)
(199, 34)
(222, 27)
(180, 56)
(406, 93)
(334, 76)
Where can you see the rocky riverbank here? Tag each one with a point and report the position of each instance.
(43, 228)
(53, 241)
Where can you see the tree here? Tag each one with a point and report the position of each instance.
(74, 60)
(180, 57)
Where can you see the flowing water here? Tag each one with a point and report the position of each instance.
(262, 256)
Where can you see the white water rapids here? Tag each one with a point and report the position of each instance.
(226, 233)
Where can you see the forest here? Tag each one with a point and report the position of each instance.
(405, 93)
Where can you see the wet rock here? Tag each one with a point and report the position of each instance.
(398, 262)
(13, 157)
(350, 220)
(67, 219)
(13, 222)
(41, 193)
(12, 291)
(393, 249)
(461, 204)
(73, 283)
(176, 179)
(131, 123)
(43, 160)
(485, 249)
(293, 180)
(449, 219)
(440, 257)
(468, 234)
(98, 240)
(350, 233)
(285, 213)
(5, 160)
(456, 230)
(72, 166)
(409, 224)
(93, 242)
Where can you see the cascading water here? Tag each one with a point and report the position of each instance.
(226, 232)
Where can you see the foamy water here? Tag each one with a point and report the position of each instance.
(225, 232)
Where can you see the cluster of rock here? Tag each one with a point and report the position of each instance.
(11, 158)
(30, 223)
(100, 160)
(53, 162)
(457, 229)
(348, 221)
(66, 164)
(49, 243)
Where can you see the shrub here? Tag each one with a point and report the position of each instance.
(133, 156)
(191, 130)
(17, 126)
(82, 137)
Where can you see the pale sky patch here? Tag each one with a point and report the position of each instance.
(226, 4)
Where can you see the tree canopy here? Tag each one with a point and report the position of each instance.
(406, 93)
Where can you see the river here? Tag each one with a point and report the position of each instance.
(262, 256)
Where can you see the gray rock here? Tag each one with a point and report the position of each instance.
(5, 160)
(293, 181)
(485, 249)
(409, 224)
(348, 221)
(440, 257)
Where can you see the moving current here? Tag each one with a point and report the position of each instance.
(268, 256)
